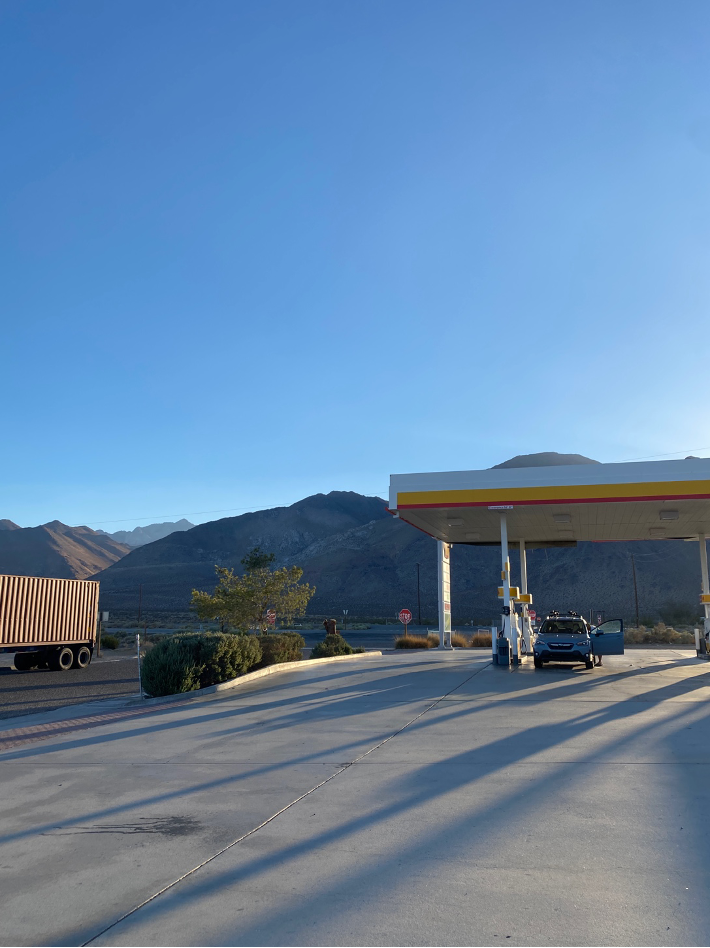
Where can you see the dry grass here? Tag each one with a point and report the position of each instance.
(459, 640)
(660, 634)
(433, 640)
(481, 640)
(413, 641)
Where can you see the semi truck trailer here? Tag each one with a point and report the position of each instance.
(48, 622)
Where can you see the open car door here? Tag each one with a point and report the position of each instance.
(608, 638)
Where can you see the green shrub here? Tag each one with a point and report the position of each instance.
(277, 647)
(109, 641)
(330, 646)
(187, 662)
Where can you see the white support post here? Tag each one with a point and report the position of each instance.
(444, 551)
(704, 581)
(527, 629)
(505, 575)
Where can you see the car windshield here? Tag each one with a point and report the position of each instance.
(562, 627)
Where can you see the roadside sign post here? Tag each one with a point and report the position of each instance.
(405, 617)
(103, 617)
(271, 617)
(138, 656)
(345, 619)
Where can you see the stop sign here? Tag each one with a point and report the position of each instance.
(532, 613)
(405, 617)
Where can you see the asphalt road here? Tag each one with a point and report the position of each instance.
(113, 675)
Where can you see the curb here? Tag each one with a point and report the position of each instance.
(254, 676)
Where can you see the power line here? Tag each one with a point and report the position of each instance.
(668, 454)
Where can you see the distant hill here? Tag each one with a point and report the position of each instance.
(544, 459)
(8, 525)
(56, 550)
(154, 531)
(360, 558)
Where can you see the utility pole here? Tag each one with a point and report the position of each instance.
(419, 600)
(636, 592)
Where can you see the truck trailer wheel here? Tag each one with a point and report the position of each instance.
(82, 656)
(62, 659)
(22, 661)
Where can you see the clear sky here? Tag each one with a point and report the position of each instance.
(254, 250)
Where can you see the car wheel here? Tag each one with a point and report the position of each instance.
(62, 659)
(537, 662)
(589, 663)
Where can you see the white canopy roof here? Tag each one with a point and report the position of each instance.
(559, 504)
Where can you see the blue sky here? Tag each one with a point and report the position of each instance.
(255, 250)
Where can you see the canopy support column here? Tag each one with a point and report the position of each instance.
(444, 551)
(508, 631)
(527, 630)
(705, 582)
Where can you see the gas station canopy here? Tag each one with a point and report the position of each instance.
(559, 505)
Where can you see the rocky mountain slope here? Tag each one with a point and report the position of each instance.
(139, 536)
(54, 549)
(170, 568)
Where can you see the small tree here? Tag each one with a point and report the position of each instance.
(243, 601)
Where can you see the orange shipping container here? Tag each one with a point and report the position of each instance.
(39, 611)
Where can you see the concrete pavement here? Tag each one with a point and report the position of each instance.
(415, 799)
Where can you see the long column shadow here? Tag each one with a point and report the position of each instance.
(405, 800)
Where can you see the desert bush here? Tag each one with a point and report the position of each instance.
(660, 634)
(481, 640)
(413, 641)
(187, 662)
(433, 639)
(109, 641)
(330, 646)
(459, 640)
(277, 647)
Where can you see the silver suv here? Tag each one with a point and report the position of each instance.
(563, 637)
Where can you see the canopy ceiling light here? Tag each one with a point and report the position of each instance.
(668, 515)
(562, 518)
(455, 521)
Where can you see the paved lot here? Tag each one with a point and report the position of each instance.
(416, 799)
(113, 675)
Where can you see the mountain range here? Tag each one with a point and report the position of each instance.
(360, 558)
(54, 549)
(154, 531)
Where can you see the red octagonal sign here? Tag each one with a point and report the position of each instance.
(405, 617)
